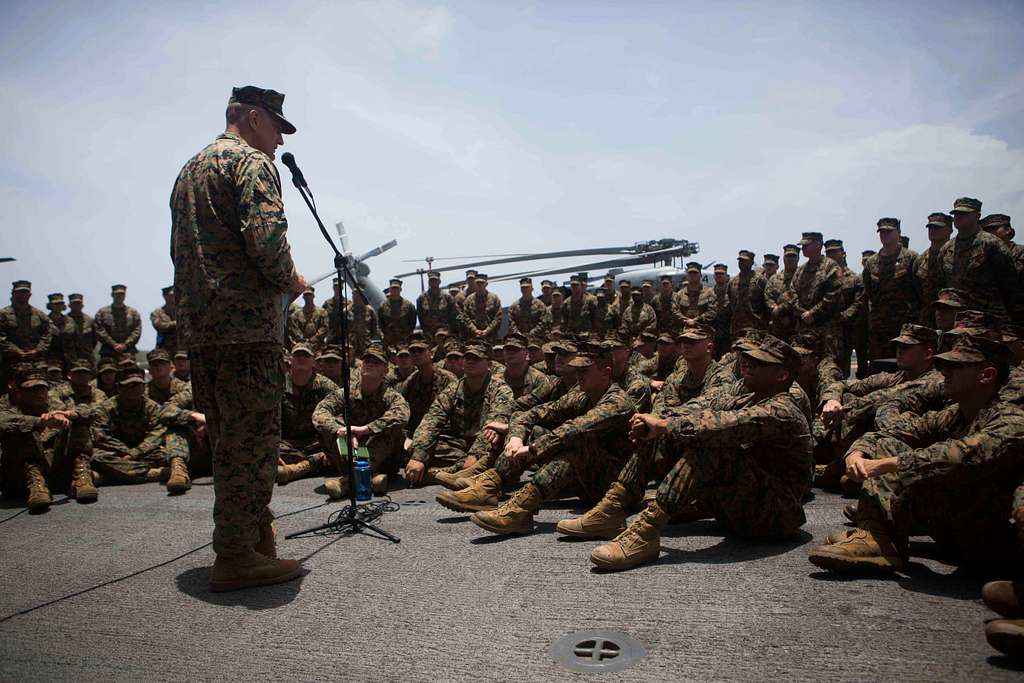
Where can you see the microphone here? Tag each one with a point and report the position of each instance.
(298, 180)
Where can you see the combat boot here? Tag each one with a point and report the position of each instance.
(515, 516)
(287, 473)
(267, 545)
(250, 569)
(607, 519)
(82, 488)
(868, 549)
(1007, 636)
(155, 474)
(638, 544)
(379, 484)
(39, 498)
(481, 494)
(1005, 598)
(464, 476)
(178, 481)
(836, 536)
(336, 488)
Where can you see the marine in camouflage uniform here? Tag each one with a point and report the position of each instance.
(695, 302)
(55, 354)
(696, 374)
(926, 270)
(999, 225)
(481, 312)
(521, 377)
(636, 385)
(300, 450)
(980, 264)
(397, 316)
(165, 322)
(669, 318)
(564, 379)
(435, 307)
(746, 297)
(580, 310)
(891, 290)
(554, 316)
(79, 335)
(424, 385)
(724, 321)
(851, 306)
(118, 325)
(782, 322)
(816, 294)
(526, 313)
(232, 265)
(950, 473)
(606, 315)
(25, 331)
(638, 317)
(307, 324)
(363, 326)
(747, 463)
(162, 386)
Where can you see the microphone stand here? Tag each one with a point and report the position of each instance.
(351, 521)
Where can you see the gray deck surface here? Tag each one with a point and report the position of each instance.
(452, 604)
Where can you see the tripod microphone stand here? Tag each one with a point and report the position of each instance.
(349, 521)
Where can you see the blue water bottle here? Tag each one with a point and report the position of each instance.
(364, 477)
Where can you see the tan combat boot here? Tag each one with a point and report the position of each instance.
(482, 494)
(287, 473)
(1006, 598)
(82, 488)
(336, 488)
(178, 482)
(39, 498)
(1007, 636)
(607, 519)
(379, 484)
(515, 516)
(862, 550)
(465, 476)
(250, 569)
(155, 474)
(267, 545)
(638, 544)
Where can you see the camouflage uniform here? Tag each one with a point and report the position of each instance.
(638, 317)
(984, 268)
(893, 297)
(451, 429)
(79, 337)
(299, 438)
(129, 441)
(746, 302)
(22, 329)
(554, 316)
(525, 316)
(166, 325)
(783, 317)
(683, 386)
(397, 320)
(723, 322)
(699, 305)
(385, 414)
(481, 313)
(55, 354)
(530, 381)
(851, 308)
(162, 396)
(309, 327)
(579, 316)
(118, 325)
(363, 327)
(420, 393)
(637, 386)
(817, 288)
(668, 315)
(606, 317)
(435, 311)
(926, 271)
(232, 265)
(544, 393)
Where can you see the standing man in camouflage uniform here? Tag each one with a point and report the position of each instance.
(435, 308)
(723, 322)
(999, 225)
(769, 265)
(232, 264)
(746, 296)
(926, 270)
(892, 292)
(363, 326)
(554, 316)
(25, 331)
(665, 308)
(79, 333)
(397, 315)
(165, 322)
(526, 313)
(307, 324)
(581, 308)
(782, 319)
(980, 264)
(816, 290)
(55, 354)
(852, 302)
(696, 303)
(118, 327)
(482, 312)
(638, 316)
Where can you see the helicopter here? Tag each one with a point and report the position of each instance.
(358, 267)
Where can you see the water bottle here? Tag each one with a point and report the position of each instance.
(364, 489)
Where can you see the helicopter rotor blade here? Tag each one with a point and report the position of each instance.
(346, 248)
(534, 257)
(649, 257)
(378, 250)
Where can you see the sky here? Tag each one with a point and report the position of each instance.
(465, 128)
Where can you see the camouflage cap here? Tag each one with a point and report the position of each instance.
(646, 337)
(609, 277)
(118, 288)
(592, 354)
(270, 100)
(375, 352)
(618, 339)
(55, 298)
(980, 346)
(696, 332)
(28, 375)
(548, 348)
(309, 290)
(400, 350)
(576, 280)
(181, 353)
(791, 250)
(419, 345)
(453, 348)
(995, 220)
(106, 363)
(916, 334)
(557, 291)
(525, 281)
(547, 283)
(748, 337)
(433, 275)
(564, 346)
(721, 268)
(693, 266)
(745, 254)
(1012, 333)
(666, 338)
(158, 355)
(966, 205)
(477, 348)
(888, 223)
(75, 297)
(868, 252)
(535, 343)
(471, 272)
(481, 277)
(625, 283)
(809, 237)
(515, 341)
(773, 350)
(82, 363)
(127, 363)
(130, 375)
(665, 278)
(54, 369)
(953, 298)
(975, 319)
(302, 347)
(647, 283)
(771, 258)
(21, 286)
(394, 282)
(330, 351)
(833, 245)
(939, 220)
(806, 344)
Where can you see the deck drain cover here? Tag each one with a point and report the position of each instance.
(596, 651)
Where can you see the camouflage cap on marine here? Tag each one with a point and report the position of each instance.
(577, 280)
(1012, 333)
(912, 334)
(130, 375)
(665, 278)
(693, 266)
(666, 338)
(981, 345)
(773, 350)
(453, 348)
(791, 250)
(645, 337)
(170, 288)
(939, 220)
(617, 339)
(181, 353)
(696, 332)
(868, 252)
(746, 255)
(809, 237)
(514, 341)
(995, 220)
(833, 245)
(106, 364)
(592, 354)
(270, 100)
(29, 375)
(303, 348)
(771, 258)
(721, 268)
(395, 282)
(953, 298)
(21, 286)
(55, 298)
(158, 355)
(564, 346)
(481, 277)
(525, 281)
(330, 352)
(75, 296)
(968, 321)
(966, 205)
(747, 337)
(417, 344)
(888, 223)
(114, 289)
(477, 348)
(375, 352)
(807, 344)
(535, 343)
(82, 364)
(433, 275)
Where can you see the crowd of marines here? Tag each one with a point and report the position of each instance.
(666, 402)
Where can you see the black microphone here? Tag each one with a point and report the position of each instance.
(288, 159)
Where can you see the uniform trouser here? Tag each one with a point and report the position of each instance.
(963, 509)
(386, 450)
(295, 451)
(239, 388)
(53, 451)
(732, 486)
(118, 469)
(450, 454)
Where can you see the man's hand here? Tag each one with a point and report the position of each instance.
(513, 445)
(120, 348)
(198, 419)
(807, 317)
(521, 456)
(469, 462)
(362, 431)
(341, 434)
(298, 285)
(831, 412)
(494, 431)
(656, 385)
(481, 333)
(856, 469)
(54, 420)
(414, 470)
(645, 427)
